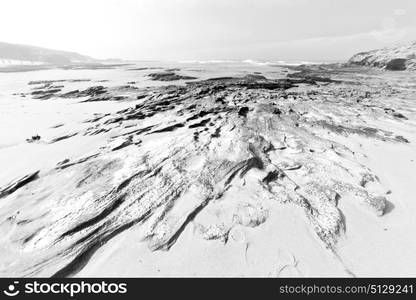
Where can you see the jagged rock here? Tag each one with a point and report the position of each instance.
(18, 183)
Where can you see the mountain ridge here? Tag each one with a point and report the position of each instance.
(33, 54)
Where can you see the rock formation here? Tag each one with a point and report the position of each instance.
(231, 145)
(397, 58)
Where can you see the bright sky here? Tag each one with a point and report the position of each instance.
(209, 29)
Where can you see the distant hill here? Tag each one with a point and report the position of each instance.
(396, 58)
(13, 54)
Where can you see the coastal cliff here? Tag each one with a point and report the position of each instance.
(395, 58)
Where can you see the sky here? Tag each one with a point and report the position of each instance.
(310, 30)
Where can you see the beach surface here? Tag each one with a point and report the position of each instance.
(208, 169)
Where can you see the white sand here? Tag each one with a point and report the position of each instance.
(285, 245)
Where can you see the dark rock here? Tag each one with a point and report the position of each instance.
(243, 111)
(34, 138)
(397, 64)
(18, 183)
(169, 76)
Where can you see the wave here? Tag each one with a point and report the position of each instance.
(281, 62)
(252, 62)
(256, 62)
(213, 61)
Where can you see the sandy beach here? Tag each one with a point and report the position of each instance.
(225, 169)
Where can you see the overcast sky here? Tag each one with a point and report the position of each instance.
(209, 29)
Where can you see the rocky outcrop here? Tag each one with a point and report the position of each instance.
(169, 75)
(216, 153)
(398, 58)
(18, 183)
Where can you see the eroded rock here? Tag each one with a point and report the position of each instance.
(215, 153)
